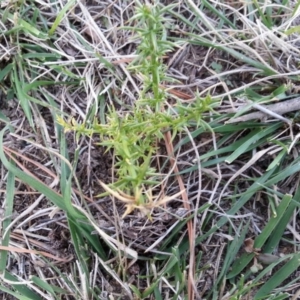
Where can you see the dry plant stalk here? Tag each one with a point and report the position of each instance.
(186, 204)
(132, 202)
(278, 108)
(15, 249)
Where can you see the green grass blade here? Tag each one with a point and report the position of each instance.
(256, 186)
(54, 197)
(8, 211)
(14, 294)
(283, 273)
(197, 40)
(240, 264)
(22, 289)
(5, 71)
(173, 260)
(24, 26)
(259, 135)
(280, 297)
(262, 16)
(61, 15)
(277, 159)
(78, 243)
(290, 170)
(220, 14)
(237, 148)
(53, 290)
(275, 238)
(232, 251)
(245, 259)
(273, 222)
(38, 185)
(22, 97)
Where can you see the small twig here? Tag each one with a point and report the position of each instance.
(269, 112)
(276, 110)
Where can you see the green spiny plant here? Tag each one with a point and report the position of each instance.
(133, 135)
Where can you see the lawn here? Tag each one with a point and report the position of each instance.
(149, 149)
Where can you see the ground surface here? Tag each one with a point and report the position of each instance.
(232, 181)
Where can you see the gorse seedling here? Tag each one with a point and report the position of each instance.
(133, 135)
(151, 30)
